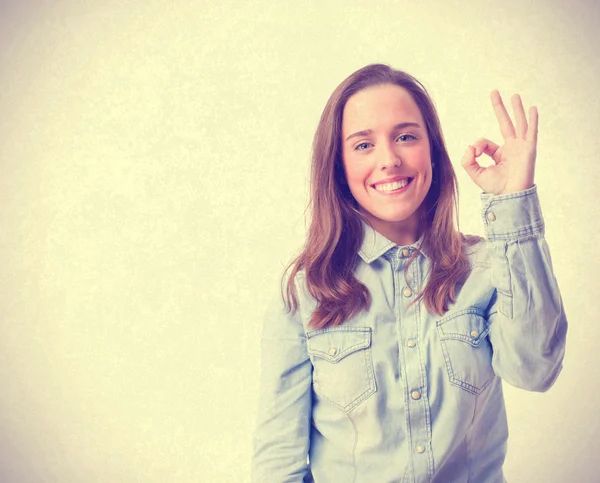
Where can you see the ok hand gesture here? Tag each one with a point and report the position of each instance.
(514, 161)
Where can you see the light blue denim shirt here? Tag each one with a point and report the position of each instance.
(398, 394)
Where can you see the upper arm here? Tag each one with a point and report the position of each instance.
(282, 433)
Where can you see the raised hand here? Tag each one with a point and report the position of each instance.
(514, 161)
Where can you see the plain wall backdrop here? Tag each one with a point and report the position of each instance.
(154, 161)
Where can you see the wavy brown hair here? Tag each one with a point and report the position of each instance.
(329, 255)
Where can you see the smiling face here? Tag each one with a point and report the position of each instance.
(387, 161)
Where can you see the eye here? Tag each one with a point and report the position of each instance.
(406, 137)
(362, 146)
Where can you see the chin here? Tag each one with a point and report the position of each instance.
(403, 218)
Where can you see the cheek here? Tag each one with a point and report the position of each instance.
(355, 171)
(423, 153)
(357, 177)
(423, 160)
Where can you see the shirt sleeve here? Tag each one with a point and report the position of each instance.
(528, 325)
(282, 433)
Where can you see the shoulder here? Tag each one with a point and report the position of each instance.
(475, 288)
(296, 281)
(294, 290)
(476, 249)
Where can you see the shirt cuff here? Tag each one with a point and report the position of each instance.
(513, 215)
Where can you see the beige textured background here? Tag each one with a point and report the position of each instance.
(153, 176)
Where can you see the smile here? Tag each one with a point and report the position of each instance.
(392, 187)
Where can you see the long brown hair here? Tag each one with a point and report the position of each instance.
(335, 233)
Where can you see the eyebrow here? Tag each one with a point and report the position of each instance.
(366, 132)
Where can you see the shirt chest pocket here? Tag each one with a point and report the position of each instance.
(467, 349)
(343, 365)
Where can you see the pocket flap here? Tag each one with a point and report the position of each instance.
(467, 325)
(334, 344)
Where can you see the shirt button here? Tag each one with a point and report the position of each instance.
(332, 351)
(405, 252)
(420, 449)
(415, 395)
(491, 216)
(474, 334)
(411, 343)
(407, 292)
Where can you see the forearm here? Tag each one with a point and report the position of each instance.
(528, 322)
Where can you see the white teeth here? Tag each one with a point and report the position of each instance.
(395, 185)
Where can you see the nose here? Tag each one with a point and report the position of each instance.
(388, 158)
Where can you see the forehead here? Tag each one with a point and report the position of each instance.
(377, 107)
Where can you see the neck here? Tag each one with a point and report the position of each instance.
(405, 232)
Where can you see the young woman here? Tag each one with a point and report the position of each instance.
(385, 360)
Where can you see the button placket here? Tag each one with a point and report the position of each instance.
(409, 331)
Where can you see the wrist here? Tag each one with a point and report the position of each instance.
(516, 189)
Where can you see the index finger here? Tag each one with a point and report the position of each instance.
(506, 126)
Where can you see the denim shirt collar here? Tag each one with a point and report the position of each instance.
(374, 244)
